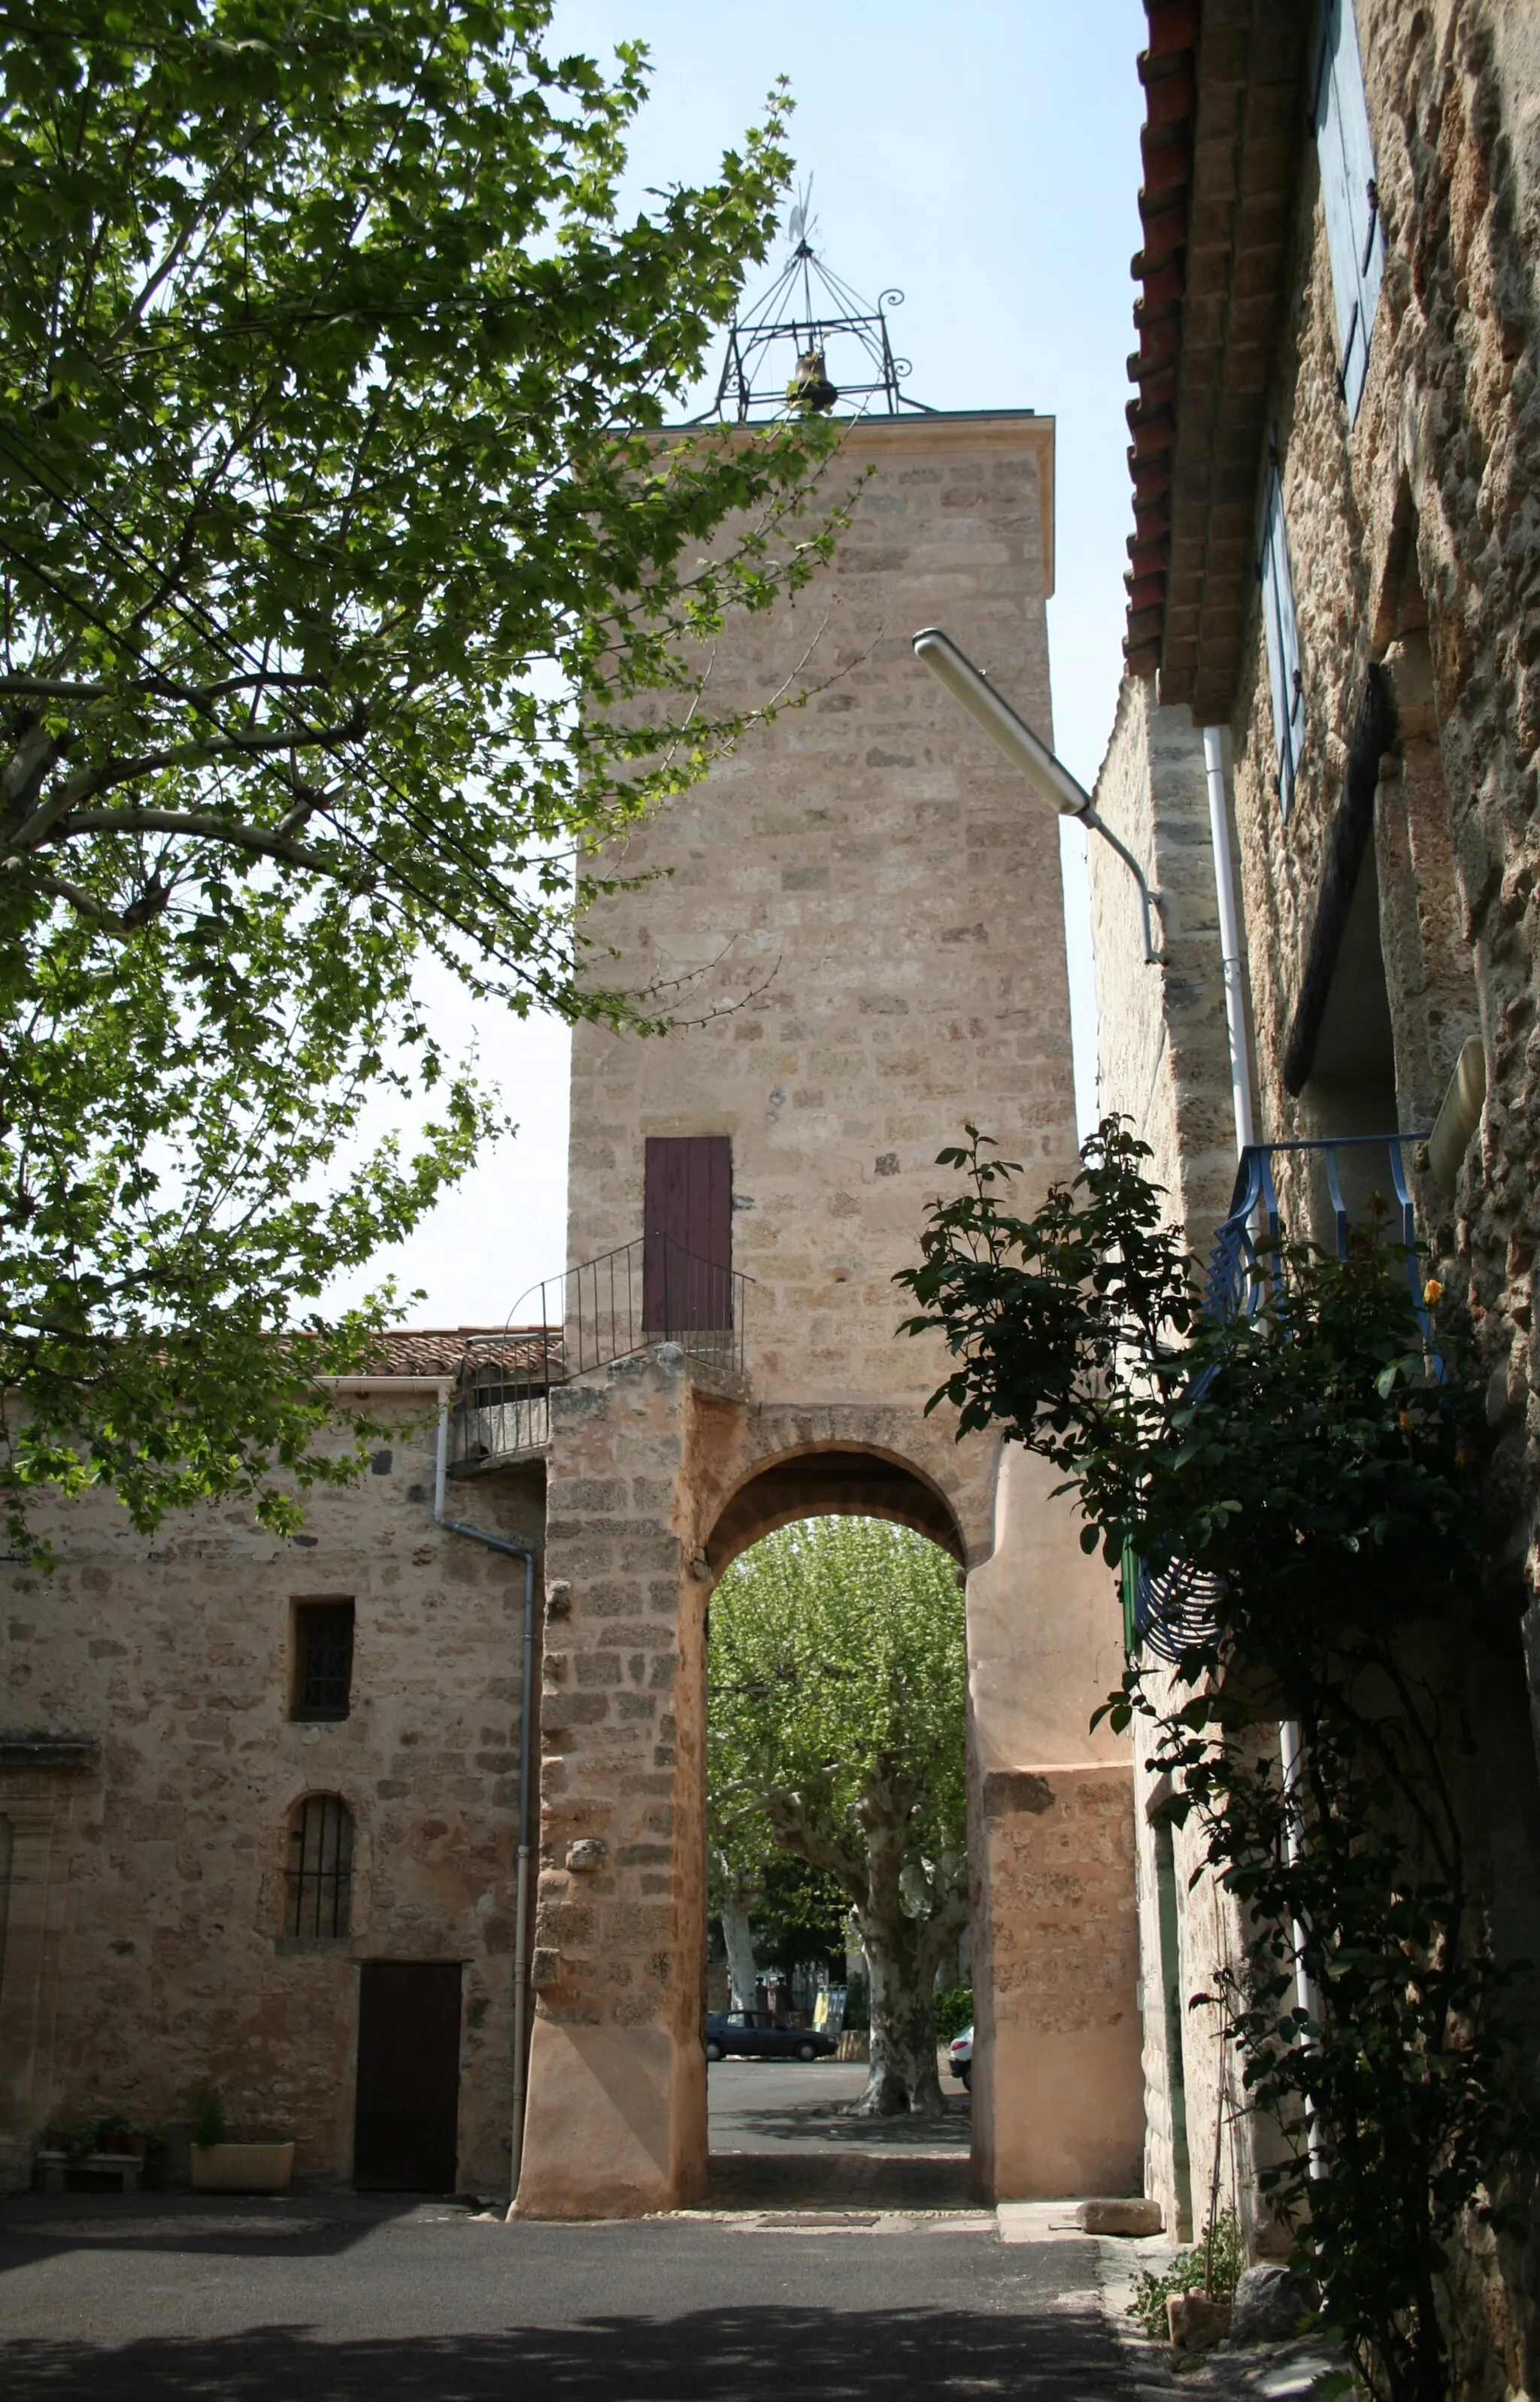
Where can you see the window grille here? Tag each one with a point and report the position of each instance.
(1282, 630)
(323, 1659)
(319, 1870)
(1355, 234)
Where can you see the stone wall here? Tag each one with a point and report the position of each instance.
(1414, 541)
(158, 1861)
(870, 901)
(1162, 1054)
(1163, 1062)
(871, 897)
(1414, 545)
(617, 2073)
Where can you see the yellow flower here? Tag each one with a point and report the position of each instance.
(1433, 1291)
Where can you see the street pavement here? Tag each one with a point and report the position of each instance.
(818, 2267)
(338, 2298)
(782, 2134)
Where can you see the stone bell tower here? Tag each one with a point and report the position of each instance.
(881, 896)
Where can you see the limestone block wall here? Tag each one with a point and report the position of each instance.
(166, 1966)
(1162, 1053)
(1163, 1061)
(874, 896)
(617, 2073)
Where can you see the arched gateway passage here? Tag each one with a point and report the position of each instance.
(833, 1481)
(836, 1774)
(659, 1477)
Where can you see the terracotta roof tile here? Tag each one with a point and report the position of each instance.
(440, 1350)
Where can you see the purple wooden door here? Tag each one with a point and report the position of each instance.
(405, 2130)
(688, 1278)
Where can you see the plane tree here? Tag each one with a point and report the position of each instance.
(838, 1690)
(350, 596)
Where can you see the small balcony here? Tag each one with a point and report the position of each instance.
(1316, 1190)
(1319, 1190)
(611, 1308)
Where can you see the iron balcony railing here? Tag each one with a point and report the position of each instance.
(648, 1291)
(1340, 1172)
(1332, 1180)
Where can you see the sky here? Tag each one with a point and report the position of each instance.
(985, 159)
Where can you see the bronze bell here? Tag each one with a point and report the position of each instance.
(810, 388)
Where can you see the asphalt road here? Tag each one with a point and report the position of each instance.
(781, 2134)
(772, 2105)
(336, 2300)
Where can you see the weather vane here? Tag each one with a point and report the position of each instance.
(807, 313)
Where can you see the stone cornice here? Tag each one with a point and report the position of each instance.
(925, 432)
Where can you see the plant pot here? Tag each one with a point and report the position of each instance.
(242, 2168)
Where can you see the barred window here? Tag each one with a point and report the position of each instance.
(319, 1870)
(323, 1659)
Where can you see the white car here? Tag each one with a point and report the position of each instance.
(959, 2053)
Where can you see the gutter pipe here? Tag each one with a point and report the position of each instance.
(1290, 1742)
(525, 1770)
(1231, 961)
(1010, 734)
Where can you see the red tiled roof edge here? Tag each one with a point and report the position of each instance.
(439, 1350)
(1167, 70)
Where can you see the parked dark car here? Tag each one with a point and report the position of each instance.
(755, 2034)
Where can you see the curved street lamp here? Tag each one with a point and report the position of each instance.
(1015, 741)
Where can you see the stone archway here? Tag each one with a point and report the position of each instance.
(660, 1473)
(831, 1481)
(778, 2141)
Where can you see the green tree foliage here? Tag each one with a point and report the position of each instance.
(838, 1692)
(1307, 1476)
(340, 555)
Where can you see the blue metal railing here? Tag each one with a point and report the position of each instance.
(1236, 1275)
(1166, 1611)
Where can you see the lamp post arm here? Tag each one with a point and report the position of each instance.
(1148, 904)
(1026, 752)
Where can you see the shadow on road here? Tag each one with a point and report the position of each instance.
(736, 2354)
(34, 2226)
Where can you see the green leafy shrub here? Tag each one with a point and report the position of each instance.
(954, 2008)
(209, 2125)
(1212, 2267)
(1305, 1473)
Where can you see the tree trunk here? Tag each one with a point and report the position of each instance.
(737, 1939)
(901, 2074)
(903, 1945)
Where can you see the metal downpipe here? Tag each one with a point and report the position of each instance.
(1232, 962)
(526, 1771)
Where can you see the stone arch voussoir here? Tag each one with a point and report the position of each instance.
(830, 1481)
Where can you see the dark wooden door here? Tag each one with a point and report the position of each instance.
(407, 2123)
(688, 1281)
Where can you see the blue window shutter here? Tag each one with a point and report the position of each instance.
(1282, 630)
(1354, 234)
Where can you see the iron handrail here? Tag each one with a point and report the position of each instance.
(592, 1316)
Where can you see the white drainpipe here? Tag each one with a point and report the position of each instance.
(1231, 958)
(525, 1763)
(1233, 963)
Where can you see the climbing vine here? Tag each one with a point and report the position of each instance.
(1304, 1478)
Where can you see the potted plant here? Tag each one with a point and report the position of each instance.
(221, 2166)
